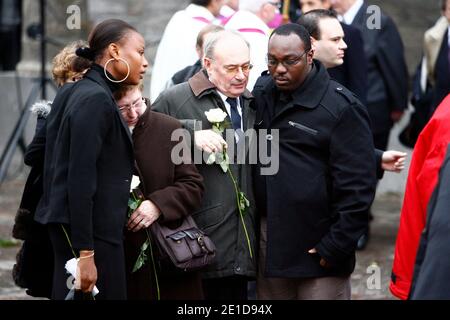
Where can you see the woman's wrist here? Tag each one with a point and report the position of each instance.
(86, 253)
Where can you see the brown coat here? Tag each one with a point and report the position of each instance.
(176, 190)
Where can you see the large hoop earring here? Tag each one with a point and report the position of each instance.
(106, 74)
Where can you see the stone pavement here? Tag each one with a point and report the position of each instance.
(379, 251)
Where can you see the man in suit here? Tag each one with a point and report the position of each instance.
(387, 74)
(387, 95)
(330, 49)
(314, 209)
(222, 84)
(352, 73)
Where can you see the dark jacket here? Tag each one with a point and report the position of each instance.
(387, 74)
(320, 196)
(88, 162)
(218, 215)
(353, 72)
(186, 73)
(442, 74)
(176, 190)
(432, 267)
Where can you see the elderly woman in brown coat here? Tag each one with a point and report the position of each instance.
(171, 191)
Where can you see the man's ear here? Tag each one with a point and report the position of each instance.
(313, 43)
(206, 63)
(310, 55)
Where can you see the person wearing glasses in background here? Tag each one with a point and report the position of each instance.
(315, 208)
(171, 191)
(221, 84)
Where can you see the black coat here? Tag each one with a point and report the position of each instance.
(88, 162)
(442, 74)
(387, 74)
(320, 196)
(431, 278)
(353, 72)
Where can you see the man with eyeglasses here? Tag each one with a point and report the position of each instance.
(314, 209)
(252, 21)
(221, 84)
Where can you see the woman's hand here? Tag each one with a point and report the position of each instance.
(87, 272)
(144, 216)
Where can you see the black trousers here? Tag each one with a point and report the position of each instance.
(227, 288)
(109, 261)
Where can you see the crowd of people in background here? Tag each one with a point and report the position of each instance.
(318, 88)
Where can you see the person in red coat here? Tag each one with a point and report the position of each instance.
(426, 161)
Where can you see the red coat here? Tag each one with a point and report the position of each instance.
(429, 153)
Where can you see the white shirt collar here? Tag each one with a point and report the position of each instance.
(351, 13)
(228, 107)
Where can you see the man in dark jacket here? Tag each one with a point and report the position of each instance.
(352, 73)
(221, 85)
(387, 74)
(328, 36)
(314, 209)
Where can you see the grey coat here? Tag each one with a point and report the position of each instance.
(218, 215)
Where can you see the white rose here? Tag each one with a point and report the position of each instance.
(135, 182)
(215, 115)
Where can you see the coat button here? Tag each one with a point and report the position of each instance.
(339, 89)
(238, 269)
(269, 137)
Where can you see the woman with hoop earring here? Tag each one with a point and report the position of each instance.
(89, 164)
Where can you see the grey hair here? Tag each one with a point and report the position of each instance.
(212, 38)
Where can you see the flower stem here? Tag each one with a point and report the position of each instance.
(154, 266)
(240, 212)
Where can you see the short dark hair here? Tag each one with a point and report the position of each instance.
(105, 33)
(202, 3)
(443, 5)
(310, 21)
(294, 28)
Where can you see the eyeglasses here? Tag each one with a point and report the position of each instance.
(278, 5)
(273, 63)
(136, 104)
(233, 69)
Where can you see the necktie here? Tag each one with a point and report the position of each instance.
(235, 116)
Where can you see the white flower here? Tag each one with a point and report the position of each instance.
(135, 182)
(215, 115)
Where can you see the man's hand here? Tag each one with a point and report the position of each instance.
(209, 141)
(144, 216)
(396, 116)
(394, 161)
(323, 263)
(86, 272)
